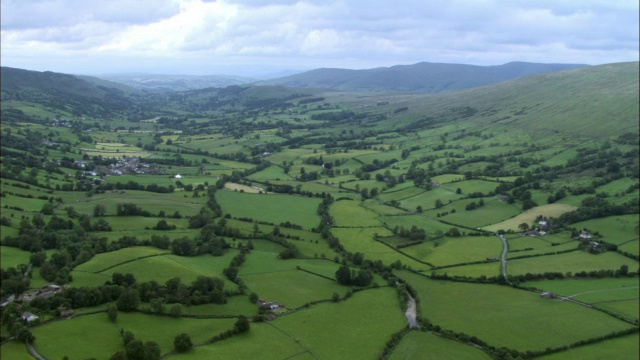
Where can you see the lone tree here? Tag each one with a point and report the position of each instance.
(242, 325)
(182, 343)
(524, 226)
(343, 275)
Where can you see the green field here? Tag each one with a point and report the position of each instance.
(416, 345)
(574, 261)
(622, 348)
(12, 257)
(273, 208)
(513, 318)
(360, 317)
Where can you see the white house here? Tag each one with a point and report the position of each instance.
(29, 317)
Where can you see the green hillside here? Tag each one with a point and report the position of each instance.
(421, 77)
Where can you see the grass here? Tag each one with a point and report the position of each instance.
(360, 317)
(12, 257)
(236, 305)
(277, 287)
(349, 213)
(102, 261)
(492, 212)
(614, 229)
(448, 251)
(163, 268)
(15, 350)
(626, 347)
(416, 344)
(273, 208)
(503, 316)
(529, 216)
(79, 338)
(619, 295)
(574, 261)
(163, 329)
(262, 341)
(362, 240)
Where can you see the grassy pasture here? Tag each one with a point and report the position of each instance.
(241, 188)
(8, 231)
(15, 350)
(80, 338)
(263, 341)
(360, 317)
(614, 229)
(631, 247)
(489, 269)
(12, 257)
(428, 199)
(277, 287)
(416, 344)
(102, 261)
(273, 208)
(625, 307)
(447, 178)
(429, 225)
(492, 212)
(529, 216)
(166, 267)
(152, 202)
(163, 329)
(574, 261)
(349, 213)
(362, 240)
(32, 205)
(271, 173)
(236, 305)
(87, 279)
(539, 247)
(619, 295)
(381, 209)
(448, 251)
(504, 316)
(400, 193)
(626, 347)
(471, 186)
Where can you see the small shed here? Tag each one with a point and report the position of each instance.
(29, 317)
(548, 295)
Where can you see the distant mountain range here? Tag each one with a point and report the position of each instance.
(95, 96)
(167, 83)
(421, 77)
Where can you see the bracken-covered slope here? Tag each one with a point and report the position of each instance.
(420, 77)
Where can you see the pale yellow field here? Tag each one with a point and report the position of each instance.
(554, 210)
(247, 189)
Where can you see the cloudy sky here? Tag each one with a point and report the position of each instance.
(252, 37)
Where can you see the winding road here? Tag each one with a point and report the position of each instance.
(505, 249)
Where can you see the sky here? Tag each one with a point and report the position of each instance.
(259, 37)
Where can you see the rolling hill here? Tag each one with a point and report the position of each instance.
(168, 83)
(595, 101)
(66, 92)
(421, 77)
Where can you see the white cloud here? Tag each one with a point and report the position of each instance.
(356, 34)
